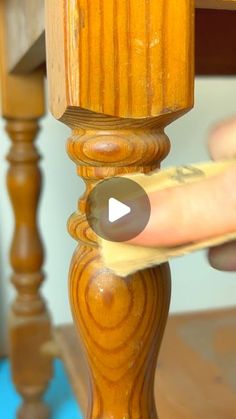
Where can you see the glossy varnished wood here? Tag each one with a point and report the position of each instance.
(127, 58)
(195, 375)
(121, 321)
(29, 321)
(22, 106)
(117, 77)
(118, 73)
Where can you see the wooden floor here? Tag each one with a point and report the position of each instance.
(196, 374)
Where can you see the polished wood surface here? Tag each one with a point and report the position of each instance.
(29, 321)
(117, 78)
(103, 85)
(195, 375)
(124, 62)
(22, 106)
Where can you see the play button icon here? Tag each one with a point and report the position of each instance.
(118, 209)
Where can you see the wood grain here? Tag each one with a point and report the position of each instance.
(22, 105)
(121, 320)
(118, 73)
(119, 58)
(29, 34)
(195, 375)
(121, 323)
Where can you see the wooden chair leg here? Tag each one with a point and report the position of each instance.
(119, 72)
(22, 106)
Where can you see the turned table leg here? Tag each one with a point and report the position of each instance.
(119, 73)
(29, 321)
(121, 321)
(22, 106)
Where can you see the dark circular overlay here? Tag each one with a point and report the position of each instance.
(120, 191)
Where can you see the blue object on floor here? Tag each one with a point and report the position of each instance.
(59, 395)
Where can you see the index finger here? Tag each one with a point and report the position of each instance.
(191, 212)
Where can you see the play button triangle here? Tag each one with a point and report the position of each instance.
(117, 210)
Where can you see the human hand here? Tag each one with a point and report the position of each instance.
(195, 212)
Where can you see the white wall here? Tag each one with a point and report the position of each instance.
(195, 284)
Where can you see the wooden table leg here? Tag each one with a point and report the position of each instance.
(119, 72)
(22, 106)
(121, 320)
